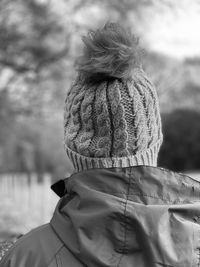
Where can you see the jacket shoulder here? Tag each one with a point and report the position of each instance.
(37, 248)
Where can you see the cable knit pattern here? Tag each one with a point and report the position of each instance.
(69, 101)
(119, 129)
(150, 118)
(111, 115)
(74, 124)
(103, 127)
(86, 115)
(127, 101)
(140, 123)
(158, 125)
(115, 123)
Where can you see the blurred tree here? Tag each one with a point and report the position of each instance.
(181, 148)
(34, 44)
(37, 49)
(33, 39)
(39, 40)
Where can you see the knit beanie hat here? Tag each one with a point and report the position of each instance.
(111, 116)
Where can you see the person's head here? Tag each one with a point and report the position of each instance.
(111, 116)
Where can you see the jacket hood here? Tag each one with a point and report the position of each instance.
(149, 217)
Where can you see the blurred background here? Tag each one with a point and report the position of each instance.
(39, 42)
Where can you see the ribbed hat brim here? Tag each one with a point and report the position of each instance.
(146, 157)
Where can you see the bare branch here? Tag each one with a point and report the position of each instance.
(16, 67)
(53, 58)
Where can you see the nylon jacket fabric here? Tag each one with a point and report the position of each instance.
(149, 217)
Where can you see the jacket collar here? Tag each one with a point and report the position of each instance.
(157, 182)
(109, 218)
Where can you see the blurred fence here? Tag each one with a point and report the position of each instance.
(25, 202)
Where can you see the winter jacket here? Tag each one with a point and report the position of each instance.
(149, 217)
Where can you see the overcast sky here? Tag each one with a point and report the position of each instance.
(175, 30)
(171, 27)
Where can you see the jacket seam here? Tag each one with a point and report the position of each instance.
(176, 174)
(125, 227)
(145, 195)
(63, 245)
(167, 201)
(54, 256)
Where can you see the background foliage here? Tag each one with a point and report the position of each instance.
(39, 42)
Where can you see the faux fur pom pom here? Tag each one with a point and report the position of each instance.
(110, 52)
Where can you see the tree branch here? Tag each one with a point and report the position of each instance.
(13, 65)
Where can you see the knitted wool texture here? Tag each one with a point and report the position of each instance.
(112, 123)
